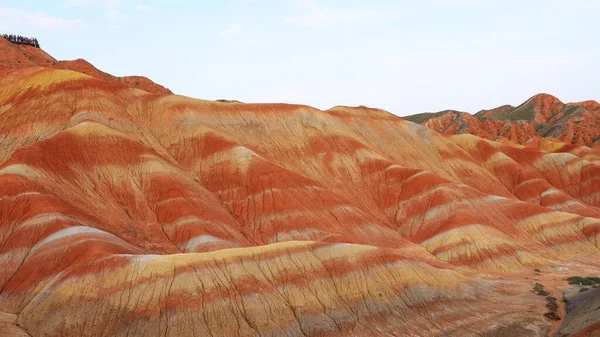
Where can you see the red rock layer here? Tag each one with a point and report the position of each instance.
(125, 212)
(455, 122)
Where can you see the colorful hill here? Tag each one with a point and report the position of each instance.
(542, 116)
(130, 212)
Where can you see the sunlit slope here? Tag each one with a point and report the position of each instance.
(124, 212)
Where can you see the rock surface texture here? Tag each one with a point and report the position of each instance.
(126, 210)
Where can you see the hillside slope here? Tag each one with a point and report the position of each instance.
(125, 212)
(16, 56)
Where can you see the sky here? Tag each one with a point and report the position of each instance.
(402, 56)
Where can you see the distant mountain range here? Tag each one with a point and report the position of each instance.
(541, 116)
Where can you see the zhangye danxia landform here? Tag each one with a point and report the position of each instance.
(127, 210)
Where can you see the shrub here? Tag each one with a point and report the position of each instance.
(552, 316)
(551, 303)
(552, 306)
(578, 280)
(539, 289)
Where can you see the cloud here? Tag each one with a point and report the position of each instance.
(19, 19)
(233, 30)
(141, 7)
(112, 7)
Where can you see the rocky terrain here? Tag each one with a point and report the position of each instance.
(541, 117)
(126, 210)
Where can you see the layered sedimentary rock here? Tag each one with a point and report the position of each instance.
(542, 116)
(132, 213)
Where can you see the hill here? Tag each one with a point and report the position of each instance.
(17, 56)
(542, 116)
(133, 212)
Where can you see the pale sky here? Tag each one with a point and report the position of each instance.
(402, 56)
